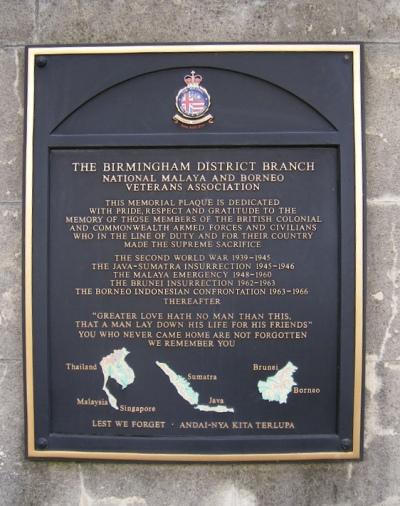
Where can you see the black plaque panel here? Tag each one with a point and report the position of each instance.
(193, 289)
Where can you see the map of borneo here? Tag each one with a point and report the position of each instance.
(278, 387)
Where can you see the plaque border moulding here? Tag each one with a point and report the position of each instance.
(37, 55)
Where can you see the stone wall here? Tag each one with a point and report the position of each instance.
(376, 480)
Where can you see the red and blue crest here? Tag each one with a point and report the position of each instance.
(193, 101)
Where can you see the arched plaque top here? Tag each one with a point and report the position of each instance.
(146, 104)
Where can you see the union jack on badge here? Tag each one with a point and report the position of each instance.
(193, 102)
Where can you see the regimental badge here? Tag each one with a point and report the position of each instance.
(193, 102)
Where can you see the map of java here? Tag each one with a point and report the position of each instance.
(114, 366)
(276, 388)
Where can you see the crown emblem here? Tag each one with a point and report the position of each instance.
(193, 79)
(192, 103)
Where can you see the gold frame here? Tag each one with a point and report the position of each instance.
(355, 49)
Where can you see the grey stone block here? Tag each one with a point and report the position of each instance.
(11, 124)
(188, 20)
(10, 281)
(379, 20)
(17, 21)
(23, 482)
(365, 483)
(383, 282)
(382, 128)
(375, 481)
(12, 430)
(78, 21)
(11, 410)
(381, 408)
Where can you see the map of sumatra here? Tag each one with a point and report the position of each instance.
(185, 390)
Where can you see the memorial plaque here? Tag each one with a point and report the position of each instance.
(194, 252)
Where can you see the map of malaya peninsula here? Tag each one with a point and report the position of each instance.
(185, 390)
(114, 366)
(278, 387)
